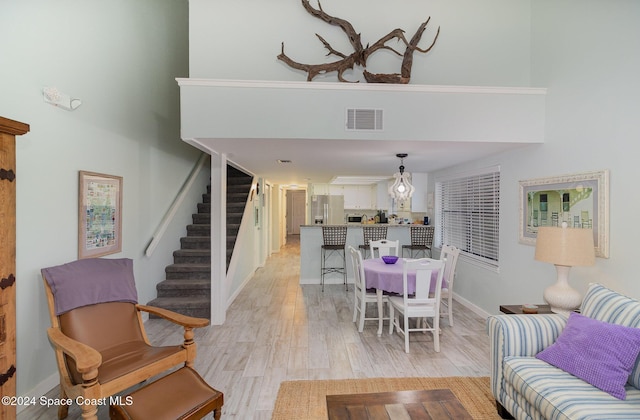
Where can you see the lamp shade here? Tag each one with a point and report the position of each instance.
(565, 246)
(401, 189)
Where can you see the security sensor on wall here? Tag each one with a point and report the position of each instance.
(54, 97)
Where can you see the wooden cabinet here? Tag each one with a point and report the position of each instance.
(8, 130)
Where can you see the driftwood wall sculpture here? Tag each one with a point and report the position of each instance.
(360, 53)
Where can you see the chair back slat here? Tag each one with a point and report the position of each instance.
(424, 280)
(358, 269)
(384, 247)
(449, 255)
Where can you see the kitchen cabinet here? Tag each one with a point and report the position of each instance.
(419, 198)
(336, 189)
(319, 189)
(383, 201)
(359, 197)
(356, 197)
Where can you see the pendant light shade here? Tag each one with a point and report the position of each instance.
(401, 190)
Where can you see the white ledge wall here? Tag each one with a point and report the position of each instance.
(316, 110)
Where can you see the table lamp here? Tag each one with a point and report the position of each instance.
(564, 247)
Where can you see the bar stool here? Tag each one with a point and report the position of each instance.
(421, 241)
(334, 239)
(372, 233)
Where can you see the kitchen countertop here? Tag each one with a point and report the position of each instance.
(311, 242)
(355, 225)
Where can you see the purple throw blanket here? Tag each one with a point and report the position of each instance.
(90, 281)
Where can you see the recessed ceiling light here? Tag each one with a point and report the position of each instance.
(283, 161)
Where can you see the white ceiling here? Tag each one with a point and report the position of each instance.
(319, 161)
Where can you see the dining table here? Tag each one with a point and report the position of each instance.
(388, 278)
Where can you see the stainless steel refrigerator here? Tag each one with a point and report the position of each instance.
(327, 209)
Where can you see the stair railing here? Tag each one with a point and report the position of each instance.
(170, 214)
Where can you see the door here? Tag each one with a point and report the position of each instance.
(296, 203)
(8, 130)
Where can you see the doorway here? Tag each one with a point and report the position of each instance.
(296, 210)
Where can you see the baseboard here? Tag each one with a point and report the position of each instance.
(472, 307)
(239, 289)
(43, 388)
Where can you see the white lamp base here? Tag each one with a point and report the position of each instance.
(561, 297)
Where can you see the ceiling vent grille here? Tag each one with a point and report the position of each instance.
(364, 119)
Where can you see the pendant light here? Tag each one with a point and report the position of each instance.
(401, 190)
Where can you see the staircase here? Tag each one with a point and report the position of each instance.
(238, 188)
(187, 288)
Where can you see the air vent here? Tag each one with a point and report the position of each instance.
(364, 119)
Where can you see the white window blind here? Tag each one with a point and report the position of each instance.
(468, 215)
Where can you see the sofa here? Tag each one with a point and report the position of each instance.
(581, 366)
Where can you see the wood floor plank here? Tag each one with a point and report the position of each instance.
(277, 330)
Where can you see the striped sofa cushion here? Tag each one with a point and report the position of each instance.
(610, 306)
(558, 395)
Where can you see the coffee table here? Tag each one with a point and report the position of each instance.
(431, 404)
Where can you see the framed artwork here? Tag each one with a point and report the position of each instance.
(99, 215)
(580, 200)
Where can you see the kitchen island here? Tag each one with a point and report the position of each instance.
(311, 241)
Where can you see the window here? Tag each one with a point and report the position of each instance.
(468, 215)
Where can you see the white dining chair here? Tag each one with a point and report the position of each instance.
(421, 304)
(384, 247)
(449, 255)
(362, 297)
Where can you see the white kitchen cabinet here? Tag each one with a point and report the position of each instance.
(359, 197)
(383, 200)
(336, 190)
(319, 189)
(356, 197)
(419, 198)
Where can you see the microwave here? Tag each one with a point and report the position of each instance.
(354, 219)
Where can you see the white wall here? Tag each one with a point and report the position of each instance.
(588, 56)
(480, 43)
(121, 59)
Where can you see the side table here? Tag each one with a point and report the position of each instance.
(517, 309)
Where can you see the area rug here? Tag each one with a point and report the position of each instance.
(306, 400)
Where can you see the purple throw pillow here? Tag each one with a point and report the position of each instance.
(597, 352)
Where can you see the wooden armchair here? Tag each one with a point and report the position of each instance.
(98, 335)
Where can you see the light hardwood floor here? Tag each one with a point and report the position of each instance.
(278, 330)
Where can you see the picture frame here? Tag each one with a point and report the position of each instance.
(581, 200)
(99, 214)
